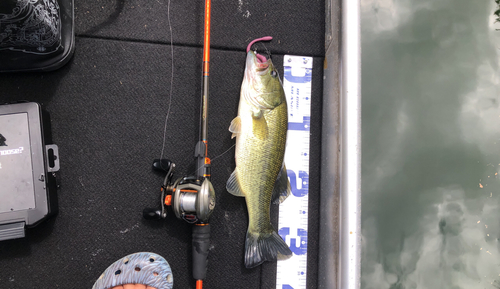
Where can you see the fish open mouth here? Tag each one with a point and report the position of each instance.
(261, 62)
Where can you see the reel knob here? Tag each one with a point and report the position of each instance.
(164, 165)
(152, 214)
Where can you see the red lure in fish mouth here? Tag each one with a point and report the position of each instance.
(261, 62)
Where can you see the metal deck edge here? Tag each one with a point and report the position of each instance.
(340, 203)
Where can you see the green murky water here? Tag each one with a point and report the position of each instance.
(431, 144)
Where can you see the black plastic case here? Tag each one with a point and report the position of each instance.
(27, 169)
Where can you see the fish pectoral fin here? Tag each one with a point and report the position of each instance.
(235, 126)
(257, 113)
(282, 187)
(233, 186)
(259, 128)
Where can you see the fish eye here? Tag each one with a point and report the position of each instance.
(274, 73)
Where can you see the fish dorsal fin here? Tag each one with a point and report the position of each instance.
(282, 187)
(233, 186)
(235, 126)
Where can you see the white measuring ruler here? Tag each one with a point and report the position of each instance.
(293, 212)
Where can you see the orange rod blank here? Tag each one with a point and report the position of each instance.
(206, 43)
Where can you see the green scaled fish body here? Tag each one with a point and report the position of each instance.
(260, 175)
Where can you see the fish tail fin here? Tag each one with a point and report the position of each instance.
(261, 247)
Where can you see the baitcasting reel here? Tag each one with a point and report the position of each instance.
(192, 198)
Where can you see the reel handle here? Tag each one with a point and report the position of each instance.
(201, 246)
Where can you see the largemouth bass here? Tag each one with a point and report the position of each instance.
(260, 175)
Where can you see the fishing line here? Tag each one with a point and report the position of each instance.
(212, 159)
(265, 48)
(171, 81)
(279, 76)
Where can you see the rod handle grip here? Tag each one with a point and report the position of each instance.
(201, 246)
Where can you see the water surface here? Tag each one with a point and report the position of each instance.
(431, 144)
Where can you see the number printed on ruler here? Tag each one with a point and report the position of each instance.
(293, 212)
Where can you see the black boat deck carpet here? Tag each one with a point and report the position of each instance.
(108, 108)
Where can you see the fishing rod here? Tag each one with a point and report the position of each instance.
(192, 198)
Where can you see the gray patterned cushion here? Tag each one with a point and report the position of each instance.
(32, 26)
